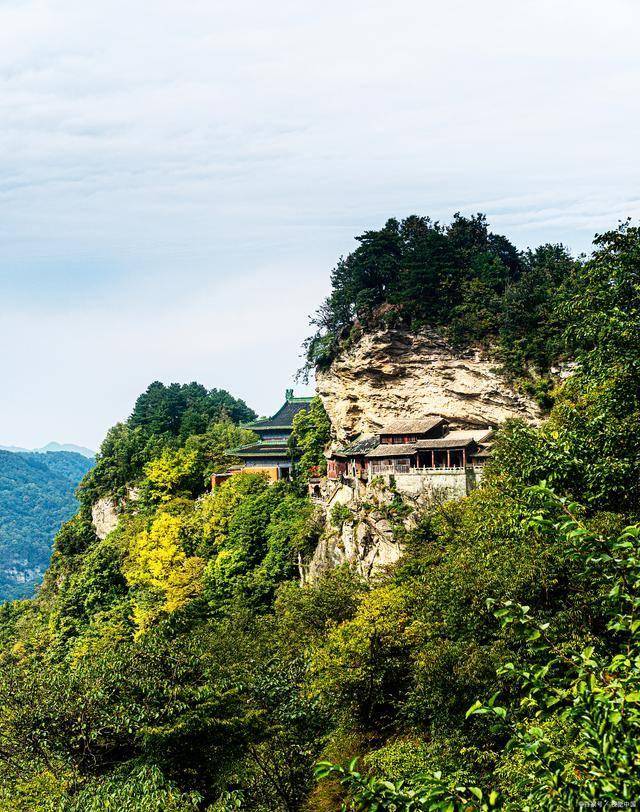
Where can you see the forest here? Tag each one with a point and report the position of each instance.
(179, 664)
(36, 497)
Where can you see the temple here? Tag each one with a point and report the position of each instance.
(411, 446)
(270, 455)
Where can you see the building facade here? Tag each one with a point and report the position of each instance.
(412, 447)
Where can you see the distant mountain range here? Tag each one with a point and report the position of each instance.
(76, 449)
(36, 497)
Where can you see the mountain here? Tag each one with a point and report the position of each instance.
(77, 449)
(36, 497)
(57, 447)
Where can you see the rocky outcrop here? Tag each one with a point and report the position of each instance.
(366, 548)
(359, 530)
(104, 515)
(364, 521)
(106, 511)
(393, 374)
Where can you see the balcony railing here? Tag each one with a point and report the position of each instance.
(379, 469)
(391, 469)
(407, 469)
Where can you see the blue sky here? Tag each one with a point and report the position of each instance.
(178, 179)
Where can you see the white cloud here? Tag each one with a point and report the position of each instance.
(165, 167)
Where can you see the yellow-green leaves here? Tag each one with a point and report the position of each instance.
(171, 470)
(158, 563)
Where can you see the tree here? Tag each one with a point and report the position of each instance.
(309, 439)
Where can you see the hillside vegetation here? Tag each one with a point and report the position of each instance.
(179, 665)
(36, 497)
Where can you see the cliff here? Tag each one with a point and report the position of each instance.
(104, 515)
(105, 512)
(392, 374)
(386, 376)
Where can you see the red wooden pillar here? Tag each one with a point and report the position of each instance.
(448, 458)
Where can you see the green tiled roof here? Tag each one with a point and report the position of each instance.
(266, 448)
(283, 418)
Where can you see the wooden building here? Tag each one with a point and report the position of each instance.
(408, 447)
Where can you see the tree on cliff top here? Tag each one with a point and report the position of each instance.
(473, 284)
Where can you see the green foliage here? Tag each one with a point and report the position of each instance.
(601, 303)
(165, 419)
(362, 665)
(588, 447)
(423, 794)
(309, 438)
(572, 713)
(592, 755)
(157, 561)
(120, 461)
(173, 473)
(36, 497)
(184, 410)
(211, 449)
(340, 514)
(136, 788)
(257, 531)
(75, 536)
(309, 611)
(180, 664)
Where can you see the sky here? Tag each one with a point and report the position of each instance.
(178, 178)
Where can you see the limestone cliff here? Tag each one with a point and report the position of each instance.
(104, 514)
(394, 374)
(388, 376)
(364, 522)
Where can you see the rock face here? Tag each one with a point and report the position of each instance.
(388, 376)
(363, 521)
(362, 536)
(106, 512)
(392, 374)
(366, 548)
(104, 515)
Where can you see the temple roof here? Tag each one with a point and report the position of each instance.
(419, 426)
(283, 418)
(456, 439)
(393, 450)
(266, 448)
